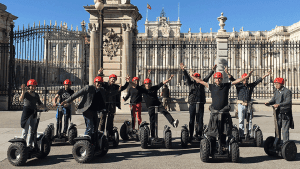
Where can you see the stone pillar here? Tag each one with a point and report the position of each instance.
(92, 73)
(222, 48)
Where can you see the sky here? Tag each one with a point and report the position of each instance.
(252, 15)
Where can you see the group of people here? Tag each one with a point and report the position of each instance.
(104, 97)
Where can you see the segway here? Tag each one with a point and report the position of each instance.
(211, 146)
(145, 133)
(185, 131)
(18, 152)
(274, 147)
(87, 147)
(59, 138)
(251, 136)
(126, 131)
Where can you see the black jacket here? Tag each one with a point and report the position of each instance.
(197, 91)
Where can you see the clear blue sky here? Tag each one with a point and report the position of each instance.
(253, 15)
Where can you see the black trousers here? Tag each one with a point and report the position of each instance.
(220, 125)
(199, 119)
(110, 113)
(151, 112)
(67, 115)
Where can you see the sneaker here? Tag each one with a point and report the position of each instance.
(175, 123)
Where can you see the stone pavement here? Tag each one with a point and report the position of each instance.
(129, 154)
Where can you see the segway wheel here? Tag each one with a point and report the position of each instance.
(259, 138)
(204, 150)
(105, 147)
(144, 137)
(269, 145)
(168, 140)
(184, 138)
(48, 134)
(289, 151)
(116, 139)
(72, 135)
(235, 134)
(83, 151)
(235, 152)
(17, 154)
(46, 147)
(123, 132)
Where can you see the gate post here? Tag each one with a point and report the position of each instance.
(222, 48)
(11, 64)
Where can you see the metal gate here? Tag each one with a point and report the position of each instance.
(49, 54)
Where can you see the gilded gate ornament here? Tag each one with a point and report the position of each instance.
(111, 43)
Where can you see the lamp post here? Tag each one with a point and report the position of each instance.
(99, 5)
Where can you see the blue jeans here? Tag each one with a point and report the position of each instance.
(90, 118)
(242, 111)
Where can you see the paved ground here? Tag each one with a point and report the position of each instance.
(130, 155)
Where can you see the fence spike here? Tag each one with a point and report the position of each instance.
(71, 27)
(39, 23)
(60, 23)
(33, 24)
(18, 27)
(50, 22)
(23, 27)
(55, 23)
(44, 22)
(76, 28)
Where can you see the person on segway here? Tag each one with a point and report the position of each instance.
(196, 94)
(282, 101)
(244, 92)
(28, 118)
(151, 99)
(220, 122)
(136, 100)
(94, 99)
(63, 94)
(113, 101)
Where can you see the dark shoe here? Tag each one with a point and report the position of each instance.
(175, 123)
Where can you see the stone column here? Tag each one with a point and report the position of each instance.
(126, 56)
(222, 48)
(92, 73)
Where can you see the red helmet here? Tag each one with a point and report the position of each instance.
(113, 75)
(98, 79)
(218, 75)
(196, 75)
(279, 80)
(244, 75)
(67, 82)
(31, 82)
(135, 78)
(147, 81)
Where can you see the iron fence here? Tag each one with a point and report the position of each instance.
(49, 54)
(4, 67)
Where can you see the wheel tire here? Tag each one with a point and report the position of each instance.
(269, 144)
(235, 134)
(144, 137)
(235, 152)
(259, 138)
(123, 132)
(105, 147)
(72, 135)
(83, 151)
(168, 139)
(204, 150)
(48, 134)
(17, 154)
(46, 147)
(289, 151)
(116, 139)
(184, 138)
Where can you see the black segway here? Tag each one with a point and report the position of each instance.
(113, 140)
(253, 135)
(87, 147)
(59, 137)
(212, 146)
(126, 131)
(185, 131)
(145, 133)
(18, 152)
(274, 147)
